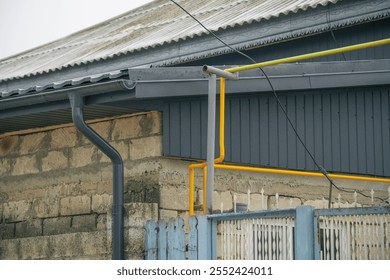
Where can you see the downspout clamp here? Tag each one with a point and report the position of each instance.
(77, 105)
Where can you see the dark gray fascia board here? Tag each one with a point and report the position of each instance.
(286, 77)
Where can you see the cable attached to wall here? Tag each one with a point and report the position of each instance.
(319, 167)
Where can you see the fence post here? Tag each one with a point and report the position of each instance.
(304, 233)
(151, 241)
(206, 239)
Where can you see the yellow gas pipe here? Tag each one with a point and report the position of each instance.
(220, 159)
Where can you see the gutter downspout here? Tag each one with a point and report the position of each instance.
(77, 105)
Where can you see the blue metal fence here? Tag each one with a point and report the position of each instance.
(301, 233)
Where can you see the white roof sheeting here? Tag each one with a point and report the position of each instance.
(157, 23)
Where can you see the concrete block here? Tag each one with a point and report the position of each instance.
(137, 126)
(7, 231)
(134, 243)
(75, 205)
(8, 145)
(54, 160)
(122, 148)
(318, 204)
(126, 128)
(101, 222)
(66, 246)
(174, 198)
(63, 138)
(28, 228)
(25, 165)
(83, 156)
(136, 214)
(5, 166)
(16, 211)
(146, 147)
(35, 248)
(53, 226)
(94, 243)
(84, 223)
(284, 202)
(150, 124)
(101, 203)
(101, 128)
(166, 215)
(224, 197)
(9, 249)
(46, 207)
(31, 143)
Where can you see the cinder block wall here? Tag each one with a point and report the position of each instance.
(56, 189)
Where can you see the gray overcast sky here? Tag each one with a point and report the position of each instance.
(25, 24)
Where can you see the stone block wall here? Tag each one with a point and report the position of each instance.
(56, 189)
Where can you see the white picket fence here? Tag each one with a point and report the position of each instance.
(355, 237)
(257, 239)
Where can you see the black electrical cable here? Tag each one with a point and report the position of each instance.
(320, 168)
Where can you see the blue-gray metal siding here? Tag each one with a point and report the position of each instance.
(347, 130)
(375, 30)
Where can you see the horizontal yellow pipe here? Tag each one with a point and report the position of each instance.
(299, 173)
(309, 56)
(270, 170)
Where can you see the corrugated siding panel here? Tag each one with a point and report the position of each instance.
(346, 130)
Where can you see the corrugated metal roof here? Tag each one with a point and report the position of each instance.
(157, 23)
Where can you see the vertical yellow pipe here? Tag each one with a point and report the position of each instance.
(192, 190)
(204, 189)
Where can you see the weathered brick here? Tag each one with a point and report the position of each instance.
(84, 223)
(46, 207)
(28, 228)
(84, 156)
(53, 226)
(25, 165)
(175, 198)
(146, 147)
(35, 248)
(7, 231)
(8, 145)
(75, 205)
(16, 211)
(63, 138)
(136, 214)
(31, 143)
(5, 166)
(54, 160)
(101, 203)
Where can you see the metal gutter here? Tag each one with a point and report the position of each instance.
(52, 93)
(77, 104)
